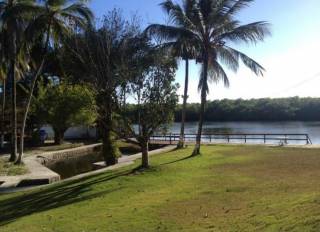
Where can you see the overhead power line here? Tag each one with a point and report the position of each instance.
(299, 84)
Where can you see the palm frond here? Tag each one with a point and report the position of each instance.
(176, 15)
(80, 10)
(227, 57)
(216, 73)
(167, 32)
(252, 32)
(249, 62)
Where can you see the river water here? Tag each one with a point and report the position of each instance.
(311, 128)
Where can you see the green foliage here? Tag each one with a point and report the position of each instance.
(63, 106)
(264, 109)
(155, 94)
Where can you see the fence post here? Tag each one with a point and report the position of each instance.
(228, 139)
(170, 138)
(210, 138)
(285, 139)
(264, 139)
(245, 139)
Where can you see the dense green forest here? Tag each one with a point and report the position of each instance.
(281, 109)
(266, 109)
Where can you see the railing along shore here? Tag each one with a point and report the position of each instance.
(229, 138)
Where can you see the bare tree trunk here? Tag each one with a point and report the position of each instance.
(30, 95)
(145, 153)
(3, 113)
(25, 113)
(58, 136)
(196, 150)
(185, 97)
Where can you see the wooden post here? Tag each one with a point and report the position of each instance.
(264, 138)
(210, 138)
(245, 138)
(228, 139)
(285, 139)
(170, 138)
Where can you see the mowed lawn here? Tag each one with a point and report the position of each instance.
(227, 188)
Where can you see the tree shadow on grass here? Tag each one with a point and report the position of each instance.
(179, 160)
(55, 196)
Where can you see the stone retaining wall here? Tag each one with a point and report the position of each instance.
(75, 153)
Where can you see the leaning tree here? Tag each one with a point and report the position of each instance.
(55, 20)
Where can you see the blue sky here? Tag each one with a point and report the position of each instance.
(291, 56)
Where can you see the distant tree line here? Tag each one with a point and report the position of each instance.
(265, 109)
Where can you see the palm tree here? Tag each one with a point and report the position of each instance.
(57, 19)
(181, 47)
(211, 27)
(13, 14)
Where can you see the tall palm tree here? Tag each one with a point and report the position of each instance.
(182, 47)
(211, 27)
(13, 14)
(57, 19)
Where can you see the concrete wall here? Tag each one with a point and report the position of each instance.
(70, 154)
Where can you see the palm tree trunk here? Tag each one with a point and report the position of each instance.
(109, 147)
(14, 136)
(185, 98)
(196, 150)
(3, 113)
(27, 108)
(12, 74)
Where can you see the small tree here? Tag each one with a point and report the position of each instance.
(63, 106)
(156, 99)
(102, 57)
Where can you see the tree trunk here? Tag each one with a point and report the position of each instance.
(185, 98)
(196, 150)
(109, 149)
(26, 111)
(58, 136)
(3, 113)
(145, 153)
(14, 144)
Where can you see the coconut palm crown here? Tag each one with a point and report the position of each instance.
(211, 26)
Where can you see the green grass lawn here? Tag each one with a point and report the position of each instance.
(227, 188)
(9, 169)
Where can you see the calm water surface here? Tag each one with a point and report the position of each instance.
(311, 128)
